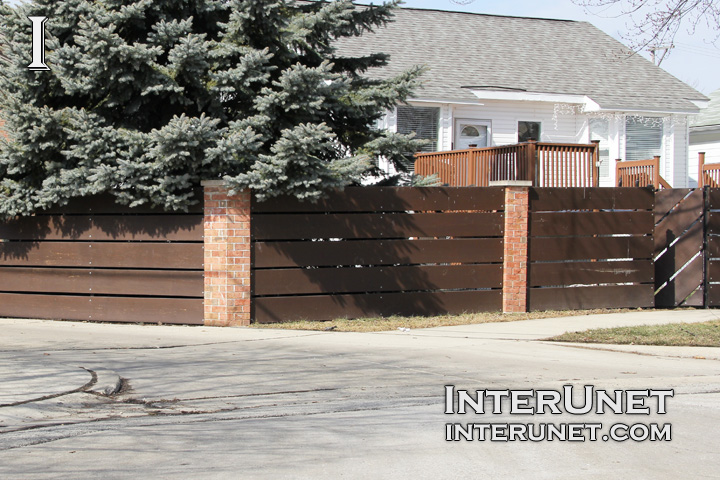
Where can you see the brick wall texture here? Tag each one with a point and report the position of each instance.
(227, 256)
(515, 260)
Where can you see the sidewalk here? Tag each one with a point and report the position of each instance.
(25, 380)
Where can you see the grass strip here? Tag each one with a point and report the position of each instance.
(704, 334)
(379, 324)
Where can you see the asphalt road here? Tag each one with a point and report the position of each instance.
(200, 402)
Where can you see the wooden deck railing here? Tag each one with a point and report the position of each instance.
(709, 174)
(545, 164)
(640, 173)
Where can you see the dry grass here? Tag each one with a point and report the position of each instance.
(393, 323)
(705, 334)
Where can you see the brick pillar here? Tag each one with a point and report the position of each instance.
(515, 258)
(227, 256)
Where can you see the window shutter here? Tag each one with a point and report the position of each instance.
(643, 140)
(423, 121)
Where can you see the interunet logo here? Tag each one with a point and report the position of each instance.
(38, 43)
(541, 402)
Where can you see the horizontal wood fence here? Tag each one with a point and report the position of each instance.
(378, 251)
(590, 248)
(365, 252)
(95, 260)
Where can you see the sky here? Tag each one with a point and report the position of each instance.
(694, 60)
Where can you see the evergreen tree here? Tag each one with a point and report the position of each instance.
(146, 98)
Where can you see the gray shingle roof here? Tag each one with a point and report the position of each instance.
(709, 116)
(535, 55)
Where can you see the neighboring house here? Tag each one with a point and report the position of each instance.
(496, 80)
(705, 135)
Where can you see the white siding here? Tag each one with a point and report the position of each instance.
(708, 142)
(505, 116)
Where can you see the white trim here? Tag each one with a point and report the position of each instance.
(453, 102)
(531, 96)
(700, 103)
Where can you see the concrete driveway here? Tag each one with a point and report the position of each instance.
(201, 402)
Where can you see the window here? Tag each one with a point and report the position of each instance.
(423, 121)
(528, 131)
(643, 138)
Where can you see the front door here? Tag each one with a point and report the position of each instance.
(471, 132)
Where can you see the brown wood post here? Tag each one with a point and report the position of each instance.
(596, 163)
(227, 256)
(701, 164)
(531, 161)
(618, 179)
(472, 168)
(656, 172)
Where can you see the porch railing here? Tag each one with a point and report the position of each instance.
(545, 164)
(640, 173)
(708, 174)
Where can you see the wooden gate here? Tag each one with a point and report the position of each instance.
(378, 251)
(679, 238)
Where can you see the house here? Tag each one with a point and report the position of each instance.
(497, 80)
(705, 135)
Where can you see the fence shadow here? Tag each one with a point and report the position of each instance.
(375, 252)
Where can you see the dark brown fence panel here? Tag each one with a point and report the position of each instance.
(96, 260)
(378, 251)
(712, 246)
(679, 238)
(590, 248)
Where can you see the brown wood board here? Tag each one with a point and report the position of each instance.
(588, 248)
(589, 273)
(391, 199)
(105, 309)
(682, 285)
(377, 252)
(713, 274)
(105, 204)
(330, 307)
(103, 254)
(161, 283)
(584, 298)
(713, 247)
(376, 279)
(714, 198)
(713, 295)
(666, 199)
(713, 223)
(590, 223)
(594, 198)
(107, 227)
(376, 225)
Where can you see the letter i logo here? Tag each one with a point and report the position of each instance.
(38, 44)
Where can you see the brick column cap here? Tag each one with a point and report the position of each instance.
(510, 183)
(212, 183)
